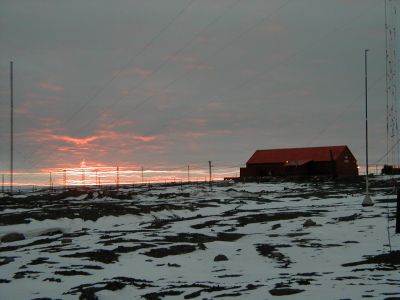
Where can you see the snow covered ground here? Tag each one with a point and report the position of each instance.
(234, 241)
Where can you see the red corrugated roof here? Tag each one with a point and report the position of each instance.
(296, 154)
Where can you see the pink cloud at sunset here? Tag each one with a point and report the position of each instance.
(50, 87)
(42, 135)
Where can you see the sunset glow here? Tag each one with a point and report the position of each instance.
(87, 174)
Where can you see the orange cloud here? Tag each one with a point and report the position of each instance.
(76, 141)
(49, 121)
(108, 134)
(50, 87)
(48, 135)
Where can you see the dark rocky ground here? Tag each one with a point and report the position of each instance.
(245, 241)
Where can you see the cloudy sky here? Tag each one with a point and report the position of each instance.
(167, 83)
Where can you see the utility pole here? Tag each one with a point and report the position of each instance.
(50, 182)
(367, 200)
(97, 177)
(188, 173)
(209, 167)
(11, 127)
(142, 175)
(2, 183)
(117, 177)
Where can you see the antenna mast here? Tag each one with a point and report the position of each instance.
(11, 127)
(367, 200)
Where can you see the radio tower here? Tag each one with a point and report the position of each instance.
(392, 81)
(11, 127)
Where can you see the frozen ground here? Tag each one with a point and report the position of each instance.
(234, 241)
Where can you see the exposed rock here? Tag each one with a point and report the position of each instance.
(6, 260)
(173, 250)
(309, 223)
(276, 226)
(173, 265)
(104, 256)
(284, 291)
(348, 218)
(220, 257)
(52, 232)
(12, 237)
(71, 273)
(391, 258)
(201, 246)
(4, 281)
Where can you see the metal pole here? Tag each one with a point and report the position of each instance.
(367, 200)
(387, 86)
(142, 175)
(398, 213)
(11, 127)
(188, 173)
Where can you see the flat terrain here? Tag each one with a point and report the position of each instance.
(298, 240)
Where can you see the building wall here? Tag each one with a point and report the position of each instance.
(346, 164)
(264, 170)
(278, 169)
(340, 168)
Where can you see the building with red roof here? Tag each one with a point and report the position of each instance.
(334, 161)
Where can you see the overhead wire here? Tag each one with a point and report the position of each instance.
(341, 113)
(223, 47)
(126, 65)
(236, 37)
(184, 74)
(120, 71)
(268, 70)
(165, 62)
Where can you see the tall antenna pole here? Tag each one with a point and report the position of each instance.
(387, 86)
(367, 200)
(11, 127)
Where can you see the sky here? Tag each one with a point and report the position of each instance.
(163, 84)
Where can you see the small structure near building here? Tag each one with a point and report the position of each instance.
(333, 161)
(390, 170)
